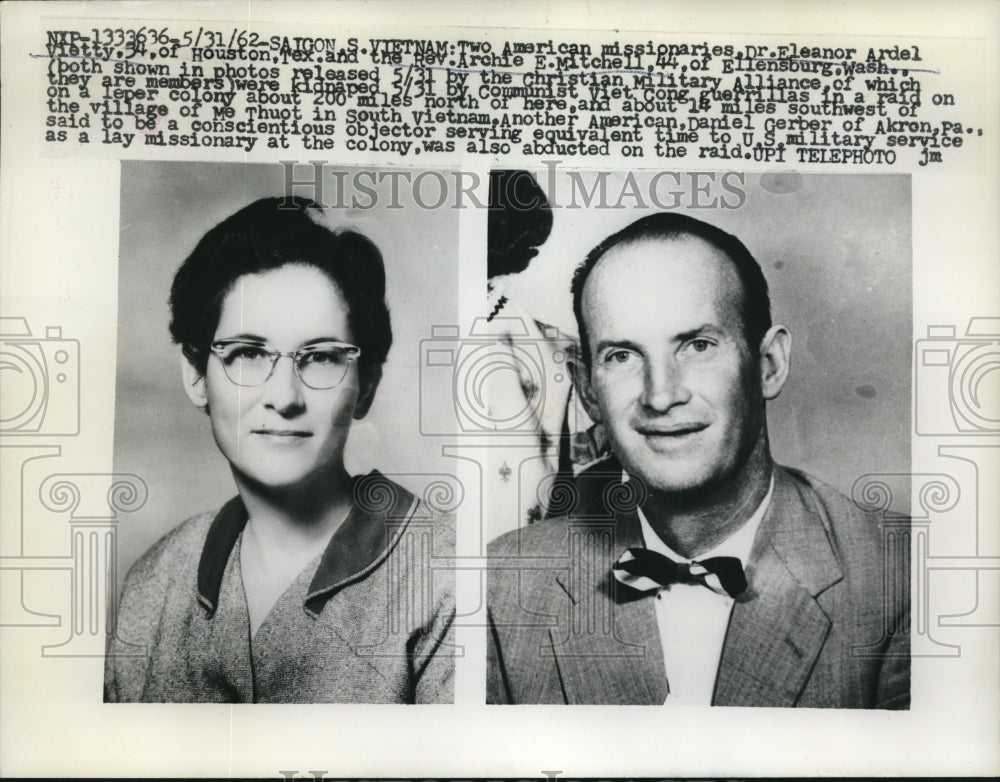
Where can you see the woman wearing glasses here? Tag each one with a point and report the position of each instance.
(310, 585)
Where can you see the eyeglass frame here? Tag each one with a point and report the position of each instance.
(354, 353)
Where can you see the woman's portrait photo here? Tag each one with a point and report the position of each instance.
(310, 577)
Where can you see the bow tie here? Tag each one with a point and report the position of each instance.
(647, 571)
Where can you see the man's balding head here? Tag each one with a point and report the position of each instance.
(755, 302)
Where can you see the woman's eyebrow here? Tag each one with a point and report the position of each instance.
(256, 338)
(243, 337)
(322, 340)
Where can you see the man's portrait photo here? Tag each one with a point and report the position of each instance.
(690, 566)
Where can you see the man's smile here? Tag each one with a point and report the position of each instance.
(673, 430)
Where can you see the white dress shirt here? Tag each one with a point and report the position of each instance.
(692, 619)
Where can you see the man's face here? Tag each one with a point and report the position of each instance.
(672, 376)
(282, 434)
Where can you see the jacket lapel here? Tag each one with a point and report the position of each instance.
(609, 650)
(777, 628)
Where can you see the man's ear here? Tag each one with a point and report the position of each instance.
(194, 384)
(775, 360)
(366, 393)
(581, 374)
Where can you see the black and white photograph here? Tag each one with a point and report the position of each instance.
(368, 369)
(720, 576)
(314, 583)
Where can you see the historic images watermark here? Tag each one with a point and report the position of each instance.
(363, 189)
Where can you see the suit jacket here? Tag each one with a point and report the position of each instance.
(824, 621)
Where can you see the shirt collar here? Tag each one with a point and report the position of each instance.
(381, 509)
(736, 545)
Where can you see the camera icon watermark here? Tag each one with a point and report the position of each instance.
(419, 571)
(41, 381)
(499, 377)
(965, 368)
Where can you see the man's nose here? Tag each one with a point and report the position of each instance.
(664, 386)
(283, 390)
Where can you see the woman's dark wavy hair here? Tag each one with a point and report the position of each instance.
(267, 235)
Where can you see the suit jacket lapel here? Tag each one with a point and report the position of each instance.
(777, 628)
(609, 650)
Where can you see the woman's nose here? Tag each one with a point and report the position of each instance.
(283, 389)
